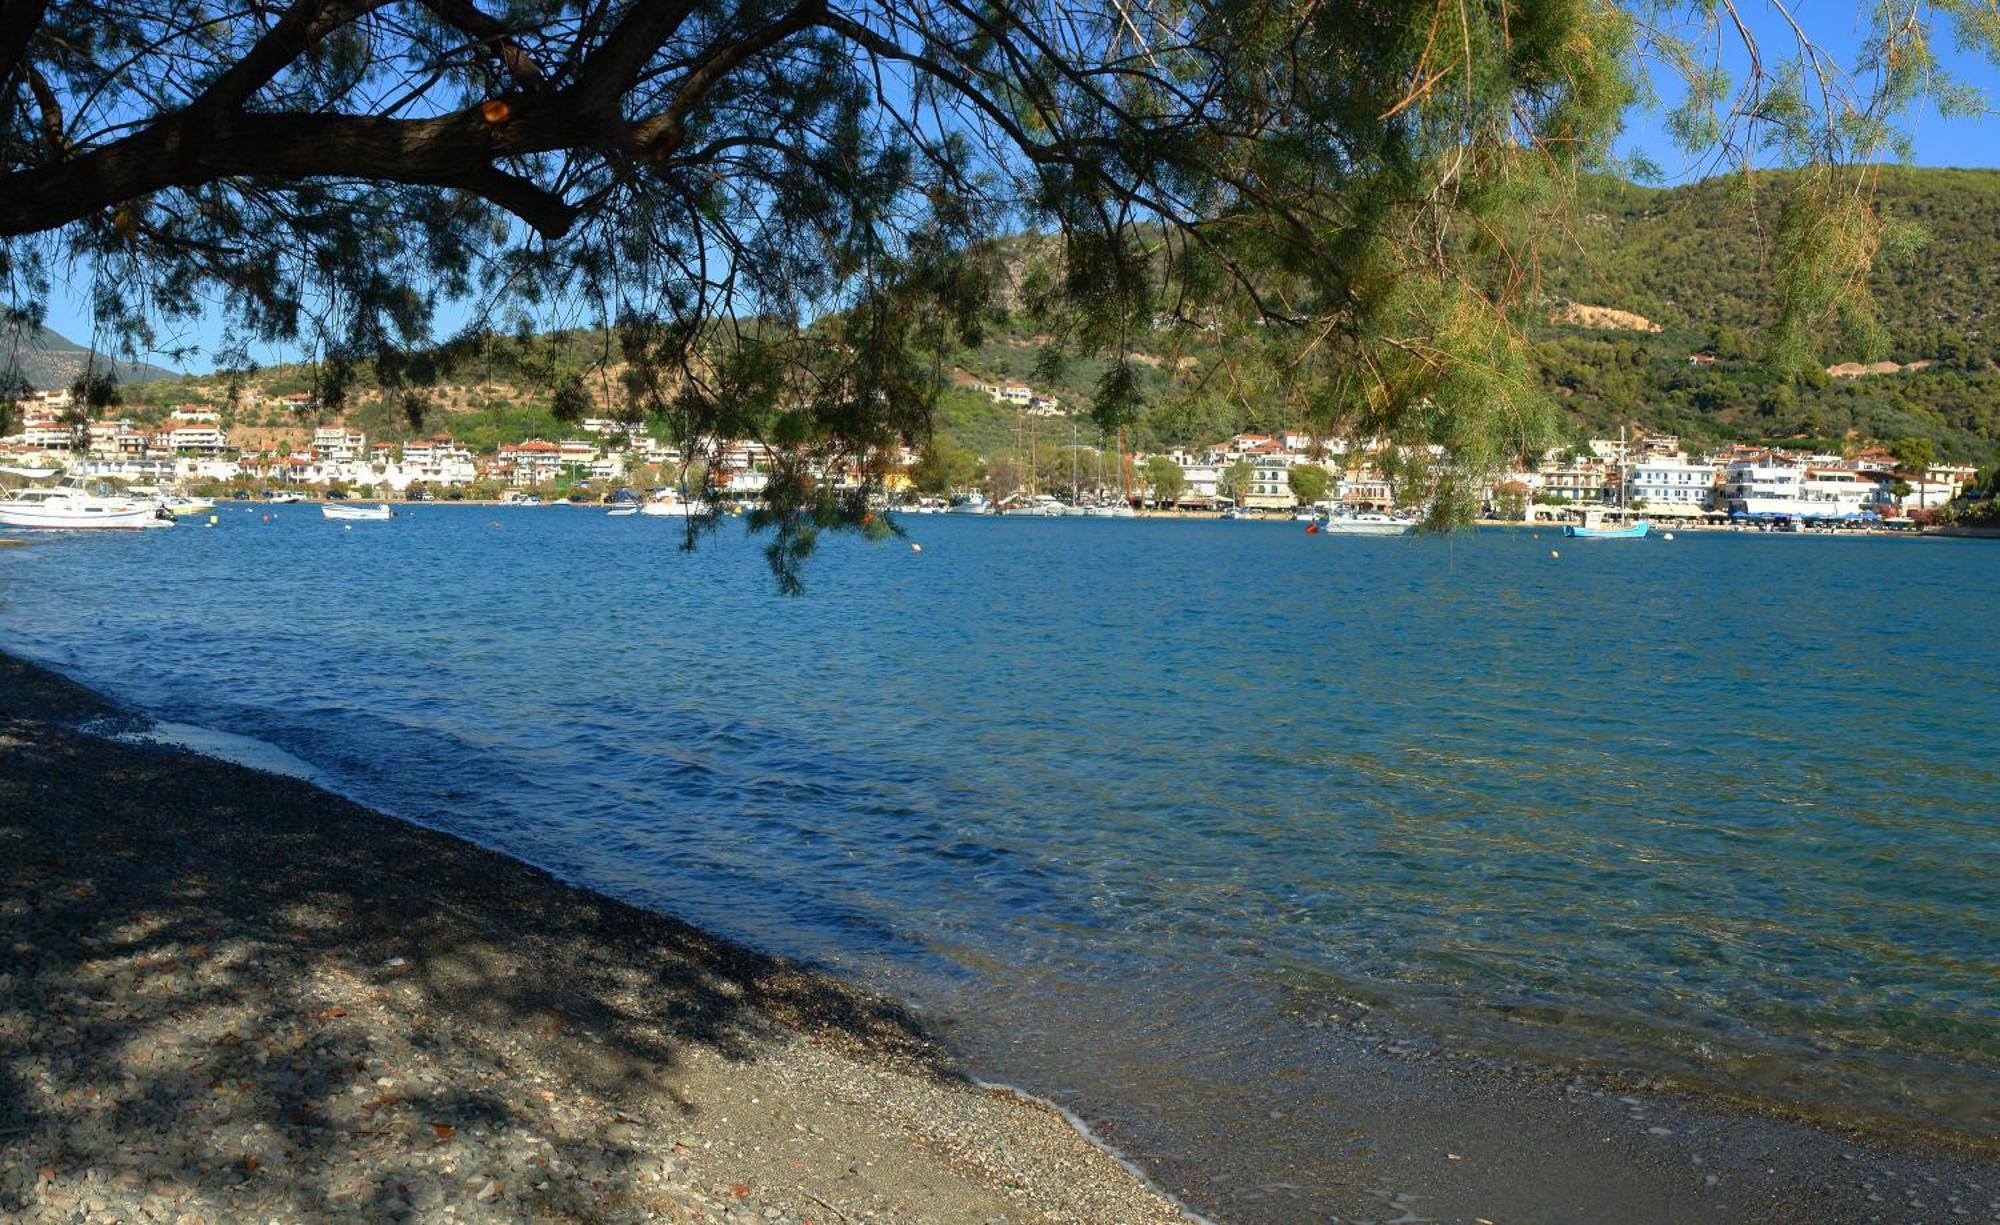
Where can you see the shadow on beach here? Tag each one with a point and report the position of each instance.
(225, 990)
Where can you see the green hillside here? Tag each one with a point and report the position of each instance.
(1696, 262)
(1697, 258)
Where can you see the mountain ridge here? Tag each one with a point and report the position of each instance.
(43, 359)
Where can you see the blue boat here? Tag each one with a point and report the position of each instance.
(1592, 531)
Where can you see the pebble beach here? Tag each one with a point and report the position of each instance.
(227, 995)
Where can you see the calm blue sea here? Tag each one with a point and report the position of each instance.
(1132, 808)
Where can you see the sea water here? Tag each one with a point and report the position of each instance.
(1141, 811)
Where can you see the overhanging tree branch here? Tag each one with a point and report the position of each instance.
(457, 151)
(662, 135)
(18, 21)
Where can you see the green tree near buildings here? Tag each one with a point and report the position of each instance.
(1236, 479)
(1165, 478)
(1309, 483)
(1915, 455)
(943, 468)
(1005, 475)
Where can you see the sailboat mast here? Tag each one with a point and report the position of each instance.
(1072, 461)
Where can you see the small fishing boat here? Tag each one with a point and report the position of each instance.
(76, 505)
(357, 514)
(1592, 529)
(1366, 523)
(285, 499)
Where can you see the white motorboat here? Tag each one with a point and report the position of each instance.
(620, 512)
(285, 499)
(1368, 523)
(181, 507)
(672, 507)
(1039, 505)
(357, 514)
(971, 504)
(75, 505)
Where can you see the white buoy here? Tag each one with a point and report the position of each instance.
(347, 527)
(915, 547)
(1553, 553)
(1668, 536)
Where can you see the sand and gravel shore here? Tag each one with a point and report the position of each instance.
(229, 996)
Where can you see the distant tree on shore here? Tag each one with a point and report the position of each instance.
(778, 219)
(1916, 455)
(1309, 483)
(944, 467)
(1165, 478)
(1004, 476)
(1237, 477)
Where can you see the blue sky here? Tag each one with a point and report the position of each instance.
(1835, 26)
(1964, 142)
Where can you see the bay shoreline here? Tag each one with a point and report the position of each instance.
(226, 994)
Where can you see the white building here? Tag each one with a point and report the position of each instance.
(1927, 493)
(201, 438)
(1849, 491)
(1956, 476)
(1366, 489)
(48, 433)
(1772, 486)
(1270, 484)
(611, 427)
(1580, 482)
(1670, 485)
(337, 444)
(533, 462)
(1203, 476)
(134, 468)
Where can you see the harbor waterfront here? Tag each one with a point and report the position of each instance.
(1197, 828)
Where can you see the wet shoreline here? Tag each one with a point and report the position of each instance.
(226, 995)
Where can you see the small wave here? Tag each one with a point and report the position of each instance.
(245, 751)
